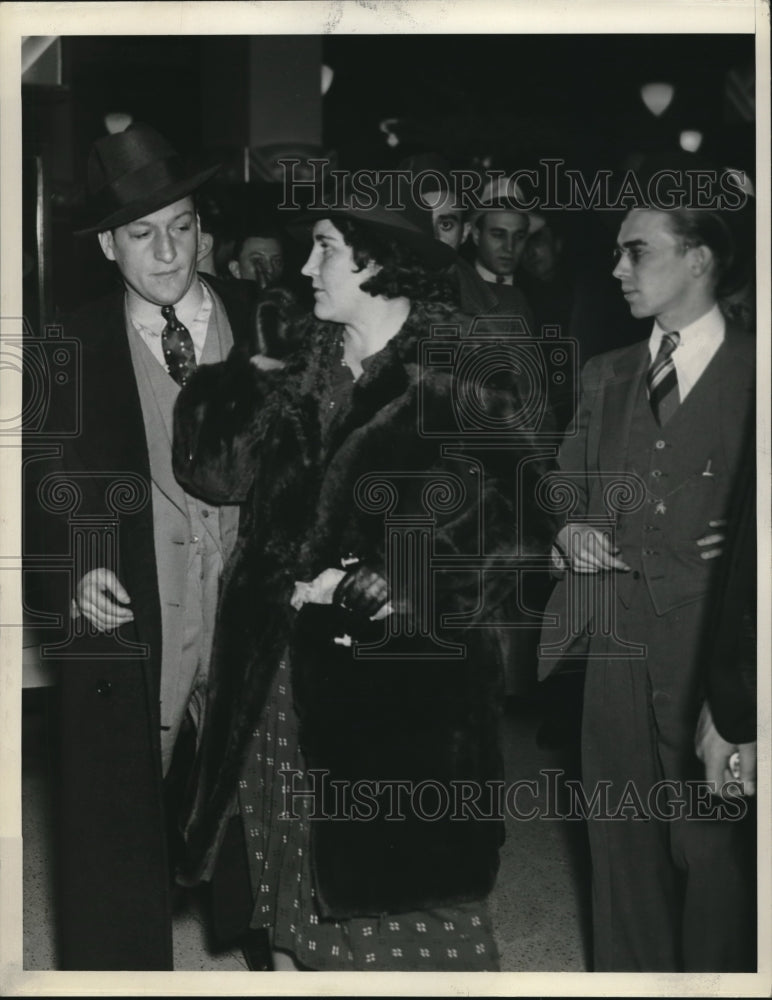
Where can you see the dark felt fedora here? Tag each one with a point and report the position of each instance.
(389, 217)
(133, 173)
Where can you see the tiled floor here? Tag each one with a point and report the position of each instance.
(539, 905)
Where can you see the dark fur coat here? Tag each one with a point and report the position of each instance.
(261, 437)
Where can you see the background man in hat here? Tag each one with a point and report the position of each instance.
(499, 233)
(132, 687)
(672, 881)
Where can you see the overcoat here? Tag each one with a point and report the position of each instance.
(113, 884)
(393, 460)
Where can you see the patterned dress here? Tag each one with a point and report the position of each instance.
(458, 938)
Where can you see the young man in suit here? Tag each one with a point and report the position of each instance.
(659, 442)
(133, 666)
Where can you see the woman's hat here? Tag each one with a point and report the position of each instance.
(389, 211)
(133, 173)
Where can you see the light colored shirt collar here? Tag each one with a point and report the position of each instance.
(698, 343)
(147, 315)
(487, 275)
(149, 323)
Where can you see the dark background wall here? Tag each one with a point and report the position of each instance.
(506, 100)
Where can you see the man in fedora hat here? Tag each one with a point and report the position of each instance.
(141, 615)
(661, 454)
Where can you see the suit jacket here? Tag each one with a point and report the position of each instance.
(595, 451)
(113, 892)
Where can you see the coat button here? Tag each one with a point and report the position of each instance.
(656, 473)
(104, 688)
(636, 575)
(204, 513)
(660, 445)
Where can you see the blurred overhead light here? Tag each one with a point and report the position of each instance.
(657, 96)
(690, 140)
(327, 75)
(117, 121)
(386, 127)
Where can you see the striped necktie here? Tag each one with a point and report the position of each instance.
(179, 352)
(662, 381)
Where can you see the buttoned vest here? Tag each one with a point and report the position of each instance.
(686, 476)
(181, 522)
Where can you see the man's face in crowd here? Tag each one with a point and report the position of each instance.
(500, 239)
(654, 267)
(541, 254)
(157, 253)
(447, 218)
(260, 260)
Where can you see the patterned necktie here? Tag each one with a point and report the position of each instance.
(179, 351)
(662, 381)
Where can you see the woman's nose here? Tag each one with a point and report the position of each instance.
(309, 267)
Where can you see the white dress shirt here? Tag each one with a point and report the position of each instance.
(496, 279)
(699, 342)
(149, 323)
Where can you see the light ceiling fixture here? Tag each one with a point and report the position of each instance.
(386, 127)
(657, 96)
(327, 76)
(117, 121)
(690, 140)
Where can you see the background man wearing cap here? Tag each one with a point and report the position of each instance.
(674, 414)
(142, 617)
(499, 233)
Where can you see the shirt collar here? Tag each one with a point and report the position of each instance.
(493, 278)
(709, 327)
(147, 315)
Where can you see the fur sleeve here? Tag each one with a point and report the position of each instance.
(217, 428)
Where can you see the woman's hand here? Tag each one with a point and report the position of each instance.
(364, 592)
(318, 591)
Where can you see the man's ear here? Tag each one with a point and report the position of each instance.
(233, 267)
(465, 231)
(701, 259)
(475, 234)
(107, 244)
(205, 244)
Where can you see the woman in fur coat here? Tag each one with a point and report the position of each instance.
(389, 477)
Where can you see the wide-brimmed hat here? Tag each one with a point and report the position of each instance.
(133, 173)
(390, 216)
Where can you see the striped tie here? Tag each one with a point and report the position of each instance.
(662, 381)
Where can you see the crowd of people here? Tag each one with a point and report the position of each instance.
(357, 529)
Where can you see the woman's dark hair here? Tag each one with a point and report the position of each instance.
(404, 271)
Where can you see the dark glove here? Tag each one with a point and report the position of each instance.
(278, 318)
(362, 591)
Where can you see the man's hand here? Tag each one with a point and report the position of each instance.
(714, 751)
(712, 543)
(101, 598)
(588, 550)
